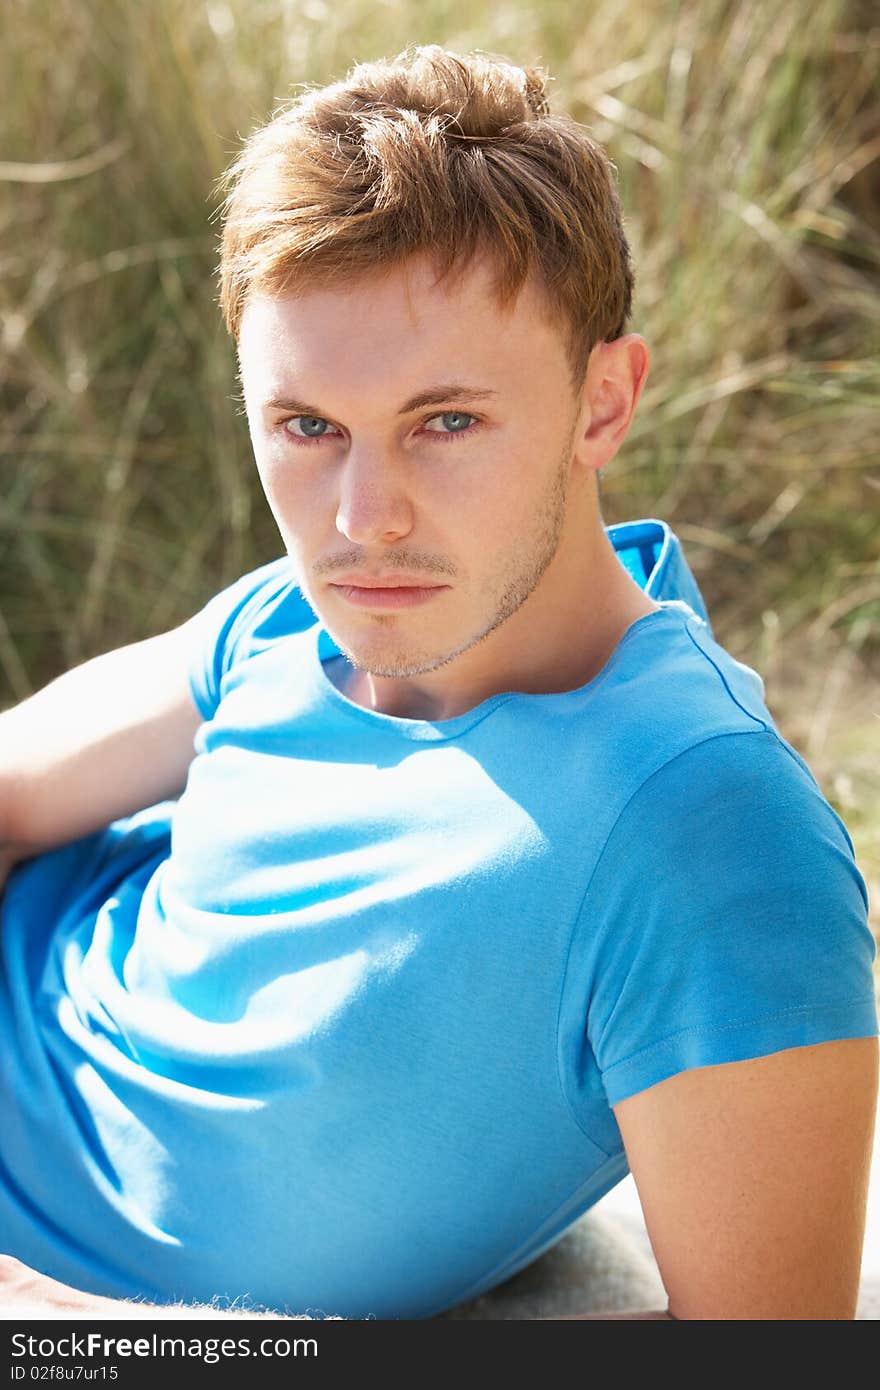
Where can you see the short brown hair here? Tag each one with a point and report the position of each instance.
(436, 152)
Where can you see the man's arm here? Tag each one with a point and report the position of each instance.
(105, 740)
(753, 1178)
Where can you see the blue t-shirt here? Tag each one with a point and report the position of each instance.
(341, 1030)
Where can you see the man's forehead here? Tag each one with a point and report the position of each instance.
(453, 328)
(415, 289)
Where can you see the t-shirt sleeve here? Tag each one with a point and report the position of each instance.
(253, 611)
(726, 919)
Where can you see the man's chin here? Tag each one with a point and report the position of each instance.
(399, 660)
(396, 667)
(396, 661)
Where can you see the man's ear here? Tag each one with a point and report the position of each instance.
(616, 373)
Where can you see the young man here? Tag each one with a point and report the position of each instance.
(452, 868)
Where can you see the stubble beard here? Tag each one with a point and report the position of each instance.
(519, 576)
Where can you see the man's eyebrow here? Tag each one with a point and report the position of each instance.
(434, 395)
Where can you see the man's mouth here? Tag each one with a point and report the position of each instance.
(369, 591)
(383, 581)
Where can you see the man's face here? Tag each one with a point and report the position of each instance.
(414, 442)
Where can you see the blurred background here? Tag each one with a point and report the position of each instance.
(747, 141)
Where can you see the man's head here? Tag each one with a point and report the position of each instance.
(421, 406)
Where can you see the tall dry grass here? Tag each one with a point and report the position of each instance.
(746, 137)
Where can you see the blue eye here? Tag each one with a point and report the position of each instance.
(312, 426)
(457, 422)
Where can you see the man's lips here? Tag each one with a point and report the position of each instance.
(391, 581)
(395, 591)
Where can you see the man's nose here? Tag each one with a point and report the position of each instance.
(374, 504)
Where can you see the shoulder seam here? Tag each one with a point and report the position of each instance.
(762, 723)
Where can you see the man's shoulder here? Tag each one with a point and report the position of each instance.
(694, 671)
(272, 606)
(670, 687)
(672, 677)
(250, 615)
(703, 772)
(260, 608)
